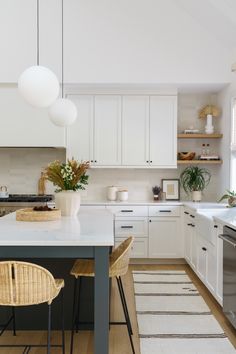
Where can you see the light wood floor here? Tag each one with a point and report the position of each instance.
(119, 341)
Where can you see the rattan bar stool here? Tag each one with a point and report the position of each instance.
(119, 262)
(26, 284)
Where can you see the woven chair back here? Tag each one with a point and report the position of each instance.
(119, 259)
(23, 284)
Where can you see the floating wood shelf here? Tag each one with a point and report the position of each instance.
(199, 136)
(199, 162)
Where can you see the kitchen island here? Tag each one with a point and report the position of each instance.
(90, 235)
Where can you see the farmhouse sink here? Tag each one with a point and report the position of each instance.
(205, 223)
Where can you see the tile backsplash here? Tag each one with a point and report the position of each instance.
(20, 168)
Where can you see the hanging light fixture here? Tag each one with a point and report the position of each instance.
(63, 111)
(38, 85)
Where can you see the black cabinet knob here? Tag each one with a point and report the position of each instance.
(151, 161)
(95, 160)
(150, 220)
(204, 248)
(147, 161)
(215, 226)
(91, 160)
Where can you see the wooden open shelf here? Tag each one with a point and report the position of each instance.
(199, 162)
(199, 136)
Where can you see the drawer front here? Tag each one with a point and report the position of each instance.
(91, 207)
(164, 210)
(139, 248)
(137, 227)
(128, 210)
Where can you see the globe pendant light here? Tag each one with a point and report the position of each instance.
(63, 111)
(38, 85)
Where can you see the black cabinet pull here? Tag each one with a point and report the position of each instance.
(189, 224)
(193, 225)
(127, 227)
(91, 160)
(147, 161)
(204, 248)
(215, 226)
(151, 161)
(186, 213)
(150, 220)
(127, 211)
(165, 211)
(95, 160)
(192, 216)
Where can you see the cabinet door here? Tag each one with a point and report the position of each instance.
(139, 247)
(135, 130)
(165, 238)
(193, 247)
(163, 131)
(187, 238)
(80, 134)
(107, 130)
(201, 259)
(26, 126)
(17, 38)
(211, 268)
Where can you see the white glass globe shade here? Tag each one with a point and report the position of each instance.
(63, 112)
(39, 86)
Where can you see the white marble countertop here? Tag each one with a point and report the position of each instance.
(130, 202)
(227, 217)
(90, 228)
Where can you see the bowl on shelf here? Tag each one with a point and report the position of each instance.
(186, 155)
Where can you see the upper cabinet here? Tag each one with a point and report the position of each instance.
(163, 131)
(124, 130)
(18, 35)
(135, 130)
(107, 130)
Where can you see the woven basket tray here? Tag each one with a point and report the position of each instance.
(29, 214)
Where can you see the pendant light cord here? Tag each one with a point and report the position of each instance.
(37, 32)
(62, 48)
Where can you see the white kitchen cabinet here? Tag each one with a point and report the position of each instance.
(190, 239)
(17, 38)
(107, 130)
(26, 126)
(139, 248)
(201, 259)
(163, 131)
(165, 239)
(135, 130)
(80, 142)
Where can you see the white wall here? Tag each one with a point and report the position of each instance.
(224, 100)
(140, 41)
(20, 168)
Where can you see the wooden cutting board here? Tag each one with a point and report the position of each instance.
(29, 214)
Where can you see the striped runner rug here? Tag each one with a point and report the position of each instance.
(173, 318)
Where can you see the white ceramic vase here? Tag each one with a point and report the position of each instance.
(68, 202)
(196, 196)
(209, 129)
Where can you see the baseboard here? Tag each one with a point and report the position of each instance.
(157, 261)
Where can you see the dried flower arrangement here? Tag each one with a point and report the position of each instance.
(209, 109)
(67, 176)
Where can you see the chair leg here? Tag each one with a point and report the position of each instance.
(14, 320)
(73, 316)
(78, 305)
(125, 304)
(49, 329)
(126, 315)
(62, 322)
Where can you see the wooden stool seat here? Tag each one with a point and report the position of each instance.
(26, 284)
(118, 266)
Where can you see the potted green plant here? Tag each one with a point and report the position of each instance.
(231, 197)
(194, 180)
(69, 178)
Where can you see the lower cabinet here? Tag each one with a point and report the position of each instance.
(219, 270)
(165, 239)
(139, 248)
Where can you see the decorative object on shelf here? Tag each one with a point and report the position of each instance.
(231, 197)
(123, 195)
(186, 155)
(191, 131)
(112, 193)
(42, 184)
(69, 178)
(4, 192)
(38, 85)
(194, 180)
(208, 112)
(171, 188)
(30, 214)
(63, 111)
(156, 190)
